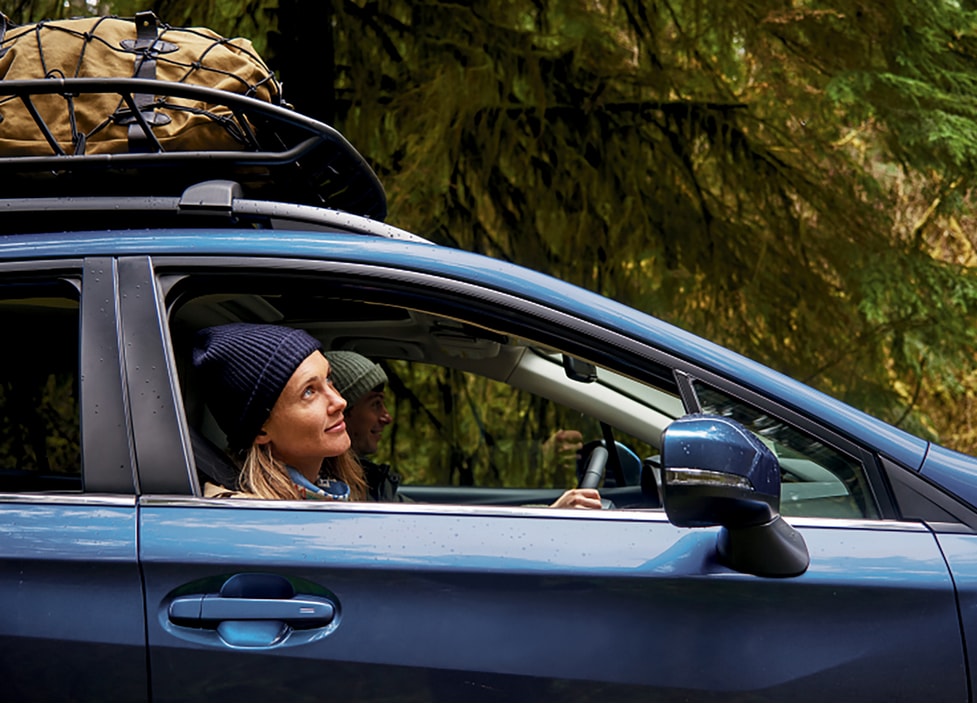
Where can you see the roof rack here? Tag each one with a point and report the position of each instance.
(285, 155)
(208, 204)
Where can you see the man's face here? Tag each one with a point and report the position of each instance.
(365, 422)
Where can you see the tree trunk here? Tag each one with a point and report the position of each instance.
(302, 51)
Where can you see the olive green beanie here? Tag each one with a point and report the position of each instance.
(354, 375)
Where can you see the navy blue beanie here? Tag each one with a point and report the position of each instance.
(245, 367)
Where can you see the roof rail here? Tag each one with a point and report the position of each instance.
(210, 204)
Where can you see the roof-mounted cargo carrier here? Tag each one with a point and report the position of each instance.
(285, 156)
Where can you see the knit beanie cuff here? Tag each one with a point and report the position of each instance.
(354, 375)
(246, 366)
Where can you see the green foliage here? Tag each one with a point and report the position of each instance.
(737, 169)
(39, 416)
(790, 178)
(25, 11)
(467, 430)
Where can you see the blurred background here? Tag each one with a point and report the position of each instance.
(791, 179)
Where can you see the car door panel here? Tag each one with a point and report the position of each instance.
(72, 617)
(72, 628)
(528, 604)
(960, 550)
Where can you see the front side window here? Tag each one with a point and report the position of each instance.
(476, 415)
(457, 428)
(482, 414)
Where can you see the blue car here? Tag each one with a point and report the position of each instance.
(759, 540)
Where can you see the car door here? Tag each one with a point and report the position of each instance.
(260, 600)
(71, 609)
(448, 604)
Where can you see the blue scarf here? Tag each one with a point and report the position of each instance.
(324, 488)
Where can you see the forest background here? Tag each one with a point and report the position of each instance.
(790, 178)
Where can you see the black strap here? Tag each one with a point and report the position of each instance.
(146, 30)
(147, 46)
(139, 140)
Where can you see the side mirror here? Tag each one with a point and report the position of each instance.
(715, 471)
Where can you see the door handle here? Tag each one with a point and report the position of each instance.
(252, 610)
(311, 610)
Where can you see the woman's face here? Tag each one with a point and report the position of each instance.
(306, 424)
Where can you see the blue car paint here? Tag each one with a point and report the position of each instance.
(902, 447)
(953, 471)
(718, 444)
(960, 551)
(70, 569)
(435, 604)
(453, 604)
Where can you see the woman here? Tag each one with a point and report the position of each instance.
(269, 389)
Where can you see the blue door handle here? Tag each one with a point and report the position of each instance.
(253, 610)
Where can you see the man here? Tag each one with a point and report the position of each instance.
(361, 383)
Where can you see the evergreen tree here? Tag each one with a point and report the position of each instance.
(741, 169)
(790, 178)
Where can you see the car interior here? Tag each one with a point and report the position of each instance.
(473, 408)
(508, 370)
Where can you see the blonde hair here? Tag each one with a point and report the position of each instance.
(347, 468)
(266, 477)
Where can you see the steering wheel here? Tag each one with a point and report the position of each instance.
(593, 475)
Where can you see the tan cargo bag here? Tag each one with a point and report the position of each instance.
(114, 47)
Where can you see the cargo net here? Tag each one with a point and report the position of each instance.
(99, 116)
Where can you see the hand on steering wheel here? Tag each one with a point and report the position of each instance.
(579, 499)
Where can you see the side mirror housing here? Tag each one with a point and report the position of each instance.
(716, 472)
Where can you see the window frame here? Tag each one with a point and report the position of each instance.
(501, 310)
(106, 450)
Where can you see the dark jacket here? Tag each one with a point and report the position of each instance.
(382, 481)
